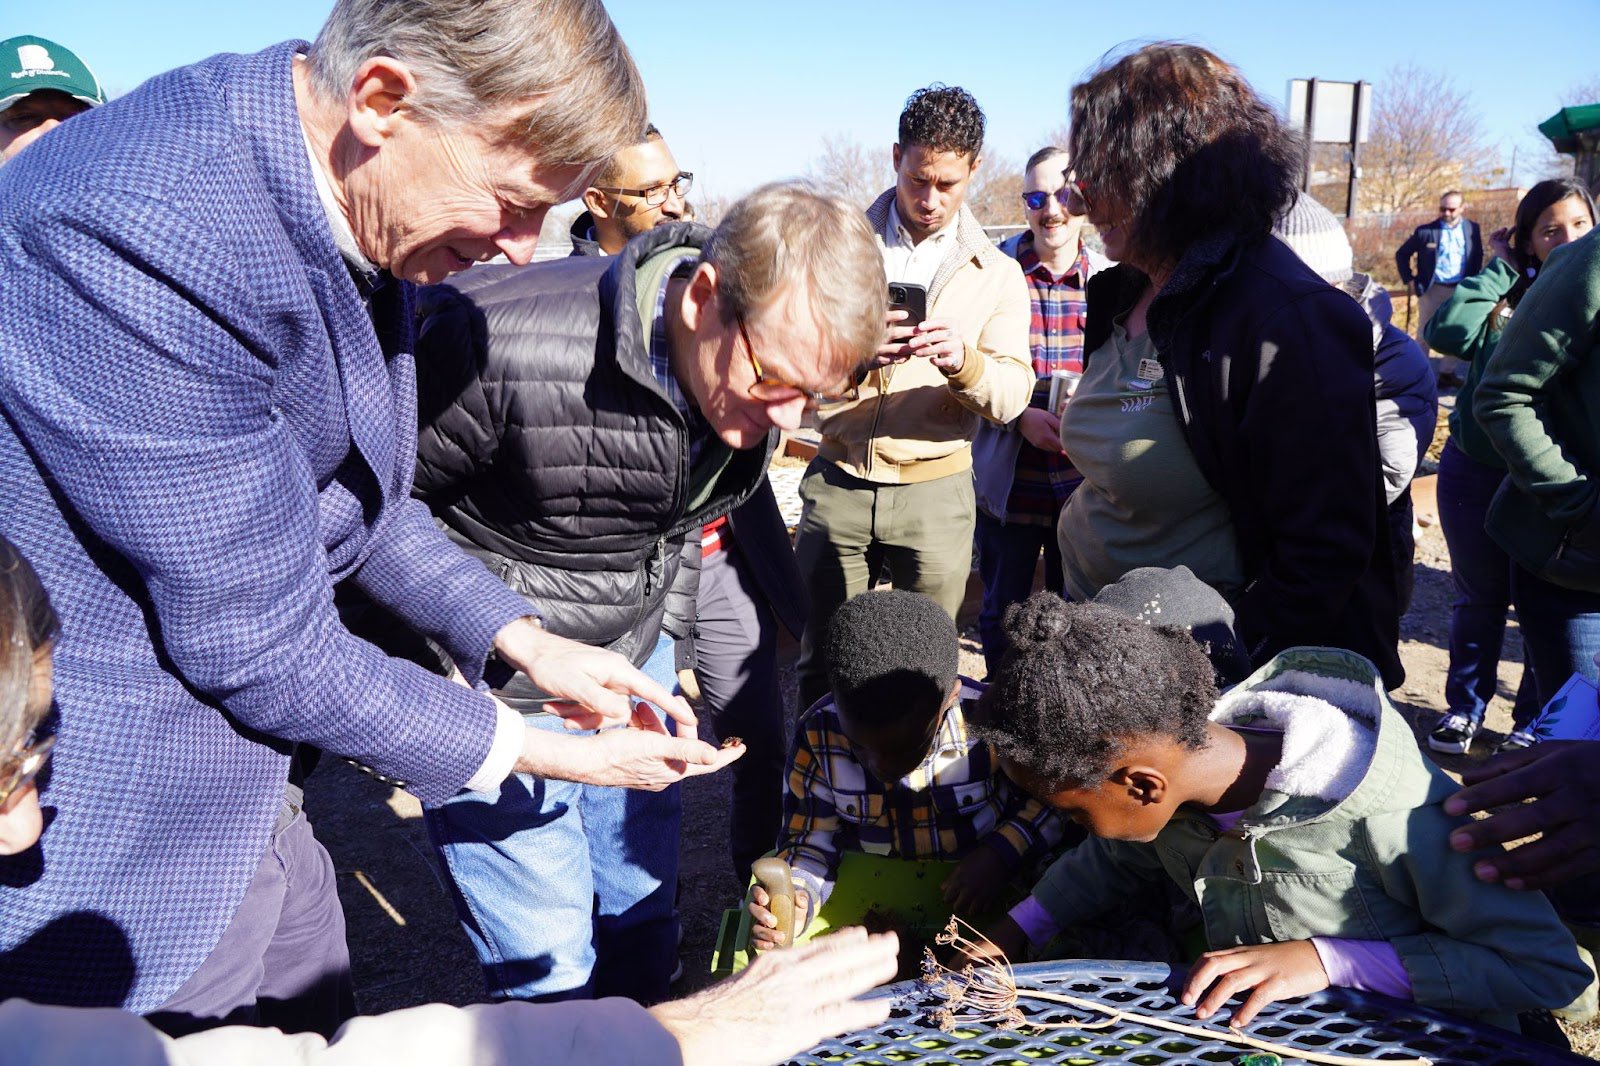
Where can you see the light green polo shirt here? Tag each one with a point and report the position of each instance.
(1143, 501)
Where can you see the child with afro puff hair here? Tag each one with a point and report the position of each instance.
(1296, 812)
(884, 765)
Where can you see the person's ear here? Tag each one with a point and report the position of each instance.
(596, 202)
(977, 161)
(895, 155)
(700, 298)
(1143, 785)
(21, 821)
(379, 99)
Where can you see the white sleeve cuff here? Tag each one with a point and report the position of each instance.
(497, 765)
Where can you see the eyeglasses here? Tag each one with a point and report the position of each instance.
(769, 389)
(24, 764)
(656, 195)
(1037, 200)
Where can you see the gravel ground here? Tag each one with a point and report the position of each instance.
(407, 947)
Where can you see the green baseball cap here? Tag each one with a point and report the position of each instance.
(28, 64)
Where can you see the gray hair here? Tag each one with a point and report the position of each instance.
(558, 67)
(788, 233)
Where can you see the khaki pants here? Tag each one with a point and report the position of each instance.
(921, 532)
(1433, 298)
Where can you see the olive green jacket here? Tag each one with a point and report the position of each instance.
(1375, 865)
(1539, 402)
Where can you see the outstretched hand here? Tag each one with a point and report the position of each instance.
(784, 1002)
(1559, 777)
(592, 687)
(646, 759)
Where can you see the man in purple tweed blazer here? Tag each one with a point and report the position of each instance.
(207, 419)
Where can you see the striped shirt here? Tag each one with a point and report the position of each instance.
(1044, 480)
(956, 800)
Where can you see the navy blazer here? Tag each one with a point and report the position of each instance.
(205, 426)
(1423, 244)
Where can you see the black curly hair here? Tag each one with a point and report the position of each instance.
(944, 118)
(1079, 681)
(891, 655)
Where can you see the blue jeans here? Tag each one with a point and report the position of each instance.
(1008, 552)
(567, 891)
(1560, 630)
(1481, 571)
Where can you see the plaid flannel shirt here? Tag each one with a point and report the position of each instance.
(1044, 480)
(957, 800)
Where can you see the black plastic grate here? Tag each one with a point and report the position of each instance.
(1336, 1021)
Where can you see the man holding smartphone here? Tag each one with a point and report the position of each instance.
(892, 481)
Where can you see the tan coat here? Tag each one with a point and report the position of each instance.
(912, 423)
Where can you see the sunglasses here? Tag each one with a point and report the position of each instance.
(1037, 200)
(770, 389)
(24, 764)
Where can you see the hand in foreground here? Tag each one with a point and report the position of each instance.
(1500, 244)
(1559, 776)
(784, 1002)
(592, 686)
(764, 935)
(639, 757)
(1270, 971)
(1003, 940)
(894, 348)
(976, 882)
(1041, 429)
(938, 340)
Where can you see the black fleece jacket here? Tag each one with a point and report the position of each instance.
(1271, 371)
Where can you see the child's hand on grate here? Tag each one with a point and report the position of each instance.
(1268, 971)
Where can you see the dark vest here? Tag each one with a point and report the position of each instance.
(548, 449)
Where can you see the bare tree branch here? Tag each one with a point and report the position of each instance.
(849, 170)
(1426, 137)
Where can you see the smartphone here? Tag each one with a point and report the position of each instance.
(911, 298)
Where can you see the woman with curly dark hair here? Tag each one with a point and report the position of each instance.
(1296, 812)
(1225, 417)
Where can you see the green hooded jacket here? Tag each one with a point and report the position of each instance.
(1539, 402)
(1374, 865)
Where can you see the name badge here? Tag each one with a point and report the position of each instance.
(1150, 370)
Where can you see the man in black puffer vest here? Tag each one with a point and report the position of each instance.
(581, 419)
(738, 581)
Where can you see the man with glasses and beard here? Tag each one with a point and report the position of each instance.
(639, 189)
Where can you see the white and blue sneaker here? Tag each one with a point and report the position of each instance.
(1453, 735)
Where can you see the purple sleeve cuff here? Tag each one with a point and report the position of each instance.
(1365, 965)
(1034, 921)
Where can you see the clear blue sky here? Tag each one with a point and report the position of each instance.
(746, 90)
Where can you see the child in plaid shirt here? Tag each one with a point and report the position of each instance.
(884, 765)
